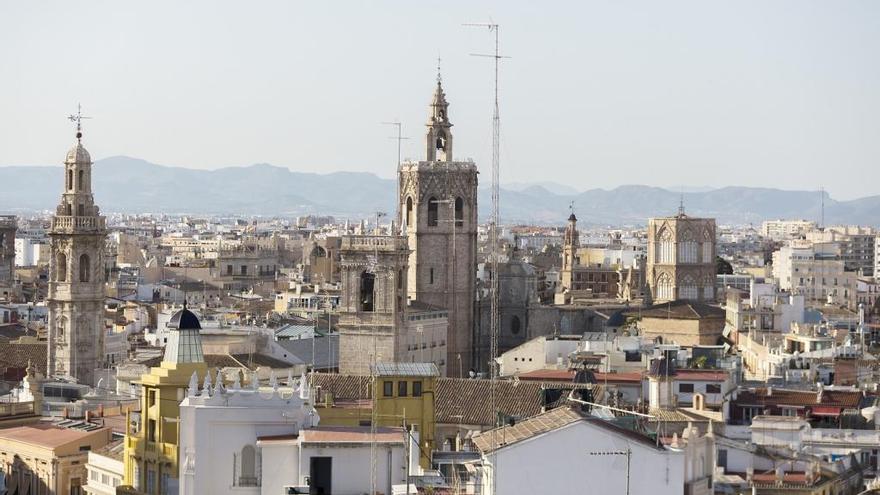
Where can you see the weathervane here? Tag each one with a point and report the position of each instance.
(439, 77)
(78, 118)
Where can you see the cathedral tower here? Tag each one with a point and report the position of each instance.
(437, 200)
(76, 274)
(681, 258)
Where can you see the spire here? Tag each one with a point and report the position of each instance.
(438, 138)
(681, 205)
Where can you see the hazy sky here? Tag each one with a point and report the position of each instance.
(597, 94)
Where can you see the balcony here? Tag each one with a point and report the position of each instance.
(374, 243)
(71, 224)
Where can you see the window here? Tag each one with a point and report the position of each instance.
(80, 180)
(713, 388)
(84, 268)
(402, 389)
(248, 466)
(685, 388)
(687, 248)
(151, 430)
(688, 289)
(632, 356)
(514, 325)
(417, 388)
(388, 389)
(69, 180)
(244, 269)
(722, 458)
(459, 212)
(85, 448)
(409, 212)
(229, 269)
(665, 248)
(664, 287)
(61, 267)
(432, 212)
(80, 210)
(431, 276)
(368, 281)
(151, 398)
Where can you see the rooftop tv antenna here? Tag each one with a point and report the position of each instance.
(78, 118)
(495, 29)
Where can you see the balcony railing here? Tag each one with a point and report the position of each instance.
(75, 223)
(374, 242)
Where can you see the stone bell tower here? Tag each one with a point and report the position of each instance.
(76, 274)
(437, 199)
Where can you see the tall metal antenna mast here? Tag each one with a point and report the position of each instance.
(493, 233)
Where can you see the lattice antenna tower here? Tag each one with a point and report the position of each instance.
(496, 56)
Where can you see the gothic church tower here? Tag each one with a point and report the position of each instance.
(76, 274)
(437, 200)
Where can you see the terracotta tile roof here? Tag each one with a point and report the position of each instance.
(549, 421)
(568, 375)
(467, 401)
(782, 397)
(528, 428)
(17, 355)
(343, 434)
(350, 387)
(682, 310)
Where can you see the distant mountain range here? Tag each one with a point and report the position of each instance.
(124, 184)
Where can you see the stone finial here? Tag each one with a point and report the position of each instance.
(236, 381)
(273, 382)
(218, 386)
(290, 378)
(206, 386)
(675, 444)
(255, 381)
(303, 387)
(193, 388)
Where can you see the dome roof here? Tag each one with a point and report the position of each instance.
(185, 320)
(78, 154)
(572, 218)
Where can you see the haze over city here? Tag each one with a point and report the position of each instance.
(596, 94)
(440, 248)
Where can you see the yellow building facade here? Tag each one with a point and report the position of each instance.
(402, 394)
(151, 453)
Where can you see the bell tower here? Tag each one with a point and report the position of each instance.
(76, 273)
(437, 200)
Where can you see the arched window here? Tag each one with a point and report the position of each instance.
(79, 184)
(665, 247)
(84, 268)
(432, 212)
(514, 325)
(61, 267)
(69, 180)
(319, 252)
(368, 283)
(248, 466)
(80, 210)
(688, 288)
(459, 212)
(708, 247)
(687, 248)
(409, 212)
(664, 288)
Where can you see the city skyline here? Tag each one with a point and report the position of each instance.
(772, 94)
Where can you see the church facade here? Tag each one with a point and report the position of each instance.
(681, 258)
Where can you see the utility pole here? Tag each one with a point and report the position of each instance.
(493, 233)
